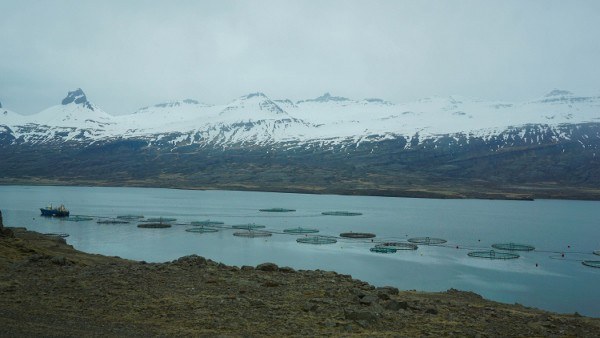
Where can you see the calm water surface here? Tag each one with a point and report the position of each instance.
(553, 227)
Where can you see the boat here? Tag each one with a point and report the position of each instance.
(55, 212)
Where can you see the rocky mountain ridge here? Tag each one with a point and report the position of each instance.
(436, 147)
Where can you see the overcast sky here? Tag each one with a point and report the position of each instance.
(130, 54)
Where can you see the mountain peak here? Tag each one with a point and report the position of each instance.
(78, 97)
(257, 94)
(326, 98)
(559, 92)
(248, 102)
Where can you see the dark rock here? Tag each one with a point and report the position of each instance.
(358, 292)
(363, 323)
(257, 303)
(59, 260)
(78, 97)
(267, 267)
(36, 257)
(383, 295)
(369, 299)
(247, 268)
(389, 290)
(361, 315)
(310, 307)
(286, 269)
(432, 311)
(395, 305)
(190, 260)
(271, 284)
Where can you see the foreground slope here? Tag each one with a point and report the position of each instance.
(47, 288)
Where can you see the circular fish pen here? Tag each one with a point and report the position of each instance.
(592, 264)
(427, 240)
(154, 225)
(491, 254)
(277, 210)
(130, 217)
(383, 249)
(159, 219)
(207, 223)
(79, 218)
(112, 221)
(250, 226)
(201, 230)
(397, 246)
(59, 234)
(513, 247)
(596, 252)
(252, 234)
(300, 231)
(341, 213)
(357, 235)
(318, 240)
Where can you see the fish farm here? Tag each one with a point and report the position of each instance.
(427, 240)
(491, 254)
(252, 233)
(389, 245)
(357, 235)
(201, 230)
(300, 231)
(397, 246)
(250, 226)
(340, 213)
(277, 210)
(154, 225)
(513, 247)
(319, 240)
(592, 264)
(112, 221)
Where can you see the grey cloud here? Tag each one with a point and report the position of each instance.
(129, 54)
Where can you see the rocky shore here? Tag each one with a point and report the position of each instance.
(49, 289)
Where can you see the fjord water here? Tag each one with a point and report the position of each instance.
(541, 278)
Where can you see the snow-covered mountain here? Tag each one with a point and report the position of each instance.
(255, 119)
(434, 147)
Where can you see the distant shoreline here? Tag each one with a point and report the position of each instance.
(427, 192)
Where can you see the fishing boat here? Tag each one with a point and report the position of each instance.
(55, 212)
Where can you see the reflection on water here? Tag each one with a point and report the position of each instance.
(540, 278)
